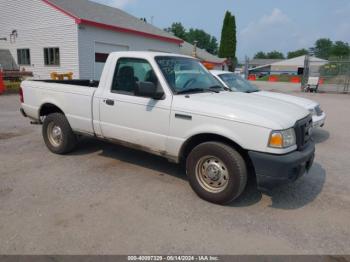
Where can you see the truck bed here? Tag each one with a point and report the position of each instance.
(80, 82)
(73, 97)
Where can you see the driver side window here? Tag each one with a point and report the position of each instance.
(129, 73)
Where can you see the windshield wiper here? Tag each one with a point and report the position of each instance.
(215, 88)
(252, 91)
(191, 90)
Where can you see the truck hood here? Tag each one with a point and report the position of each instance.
(303, 102)
(252, 109)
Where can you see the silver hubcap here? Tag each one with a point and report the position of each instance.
(212, 174)
(54, 133)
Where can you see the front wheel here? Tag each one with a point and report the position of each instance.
(58, 135)
(217, 172)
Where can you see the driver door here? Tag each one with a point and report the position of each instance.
(126, 117)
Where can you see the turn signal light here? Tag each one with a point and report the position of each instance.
(276, 140)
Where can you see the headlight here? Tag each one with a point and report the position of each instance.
(282, 139)
(318, 110)
(313, 111)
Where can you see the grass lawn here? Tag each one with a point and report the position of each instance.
(281, 78)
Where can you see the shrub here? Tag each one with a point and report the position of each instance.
(12, 87)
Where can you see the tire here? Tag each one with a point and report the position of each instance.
(220, 164)
(58, 135)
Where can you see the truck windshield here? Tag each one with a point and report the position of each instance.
(186, 75)
(237, 83)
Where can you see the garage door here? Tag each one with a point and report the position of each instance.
(102, 51)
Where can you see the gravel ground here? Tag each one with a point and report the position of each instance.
(106, 199)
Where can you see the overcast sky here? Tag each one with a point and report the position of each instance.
(261, 25)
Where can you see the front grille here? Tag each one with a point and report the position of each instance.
(303, 130)
(318, 110)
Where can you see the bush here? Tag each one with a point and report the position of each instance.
(281, 78)
(12, 87)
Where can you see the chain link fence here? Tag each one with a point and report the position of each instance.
(334, 76)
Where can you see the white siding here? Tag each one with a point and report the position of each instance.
(89, 36)
(39, 26)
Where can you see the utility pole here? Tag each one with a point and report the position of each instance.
(194, 53)
(306, 72)
(246, 67)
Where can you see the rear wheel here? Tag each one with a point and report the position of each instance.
(217, 172)
(58, 135)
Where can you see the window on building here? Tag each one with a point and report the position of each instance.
(23, 56)
(52, 56)
(129, 73)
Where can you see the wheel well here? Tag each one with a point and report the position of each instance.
(48, 109)
(202, 138)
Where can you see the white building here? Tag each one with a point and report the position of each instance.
(63, 36)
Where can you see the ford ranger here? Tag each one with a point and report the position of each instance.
(171, 106)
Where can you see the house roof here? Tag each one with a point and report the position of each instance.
(263, 62)
(109, 18)
(187, 49)
(297, 61)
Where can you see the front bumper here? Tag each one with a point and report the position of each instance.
(275, 170)
(318, 121)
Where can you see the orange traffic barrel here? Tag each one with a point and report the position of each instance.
(273, 78)
(295, 79)
(252, 77)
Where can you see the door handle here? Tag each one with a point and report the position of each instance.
(109, 102)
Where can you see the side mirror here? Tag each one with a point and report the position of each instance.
(149, 89)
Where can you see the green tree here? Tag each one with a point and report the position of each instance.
(275, 55)
(178, 30)
(323, 48)
(260, 55)
(270, 55)
(228, 39)
(297, 53)
(213, 47)
(340, 49)
(204, 40)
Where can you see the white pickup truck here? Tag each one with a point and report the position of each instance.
(171, 106)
